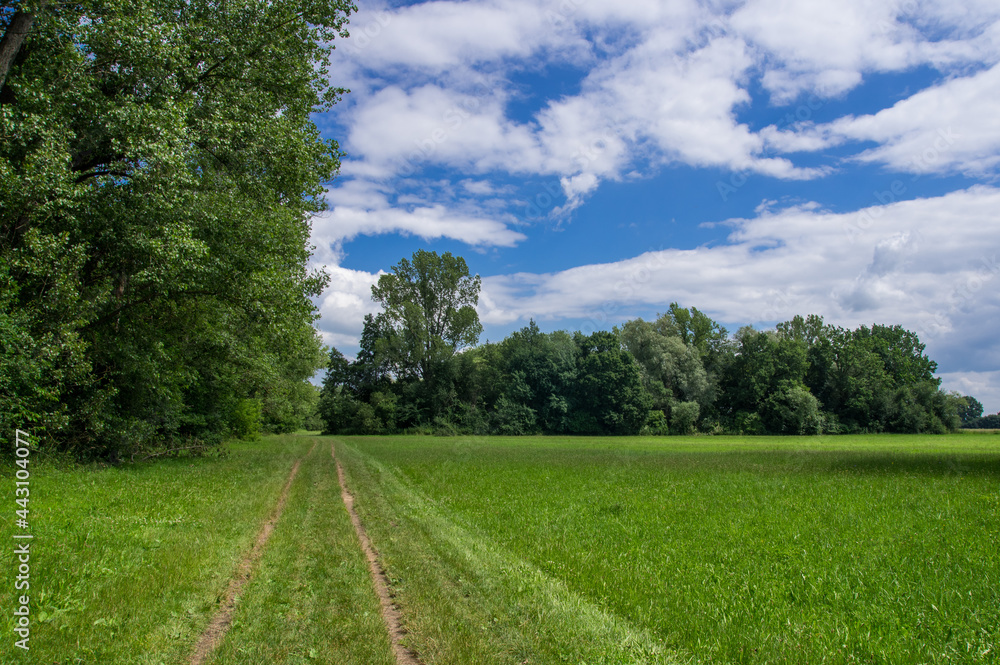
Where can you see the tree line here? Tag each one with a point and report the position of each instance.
(420, 369)
(158, 171)
(971, 415)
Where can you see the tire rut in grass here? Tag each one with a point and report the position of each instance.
(390, 612)
(223, 617)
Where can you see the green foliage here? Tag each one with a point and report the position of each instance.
(384, 407)
(335, 409)
(792, 409)
(920, 407)
(158, 170)
(537, 370)
(806, 377)
(748, 422)
(245, 419)
(656, 424)
(672, 369)
(970, 410)
(511, 418)
(684, 417)
(609, 386)
(986, 422)
(429, 312)
(766, 364)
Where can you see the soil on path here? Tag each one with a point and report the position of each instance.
(390, 612)
(223, 618)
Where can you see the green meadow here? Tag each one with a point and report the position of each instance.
(864, 549)
(526, 550)
(129, 564)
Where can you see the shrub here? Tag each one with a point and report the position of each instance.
(794, 410)
(384, 406)
(511, 418)
(748, 422)
(656, 424)
(683, 417)
(245, 420)
(365, 421)
(986, 422)
(923, 408)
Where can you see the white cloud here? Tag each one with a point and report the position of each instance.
(984, 386)
(427, 222)
(666, 91)
(410, 129)
(664, 83)
(951, 127)
(343, 306)
(826, 48)
(434, 36)
(361, 206)
(908, 263)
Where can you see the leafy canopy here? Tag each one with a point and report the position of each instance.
(158, 171)
(429, 311)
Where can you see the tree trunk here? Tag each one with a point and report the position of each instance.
(10, 45)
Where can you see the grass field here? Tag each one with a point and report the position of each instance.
(720, 550)
(128, 564)
(526, 551)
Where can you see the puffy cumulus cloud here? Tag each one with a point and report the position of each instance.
(444, 35)
(947, 128)
(343, 306)
(973, 20)
(662, 84)
(659, 96)
(344, 222)
(826, 48)
(432, 125)
(908, 263)
(984, 386)
(362, 206)
(951, 127)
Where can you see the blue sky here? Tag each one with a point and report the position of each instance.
(757, 160)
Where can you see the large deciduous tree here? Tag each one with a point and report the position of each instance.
(969, 410)
(609, 387)
(158, 171)
(429, 312)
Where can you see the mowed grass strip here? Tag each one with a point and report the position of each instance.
(128, 564)
(465, 601)
(726, 550)
(311, 599)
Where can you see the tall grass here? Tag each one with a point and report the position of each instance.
(724, 550)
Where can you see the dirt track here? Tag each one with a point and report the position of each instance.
(220, 623)
(390, 612)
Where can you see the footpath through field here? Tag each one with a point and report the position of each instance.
(390, 612)
(220, 623)
(307, 596)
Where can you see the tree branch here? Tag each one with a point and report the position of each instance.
(142, 301)
(13, 38)
(83, 177)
